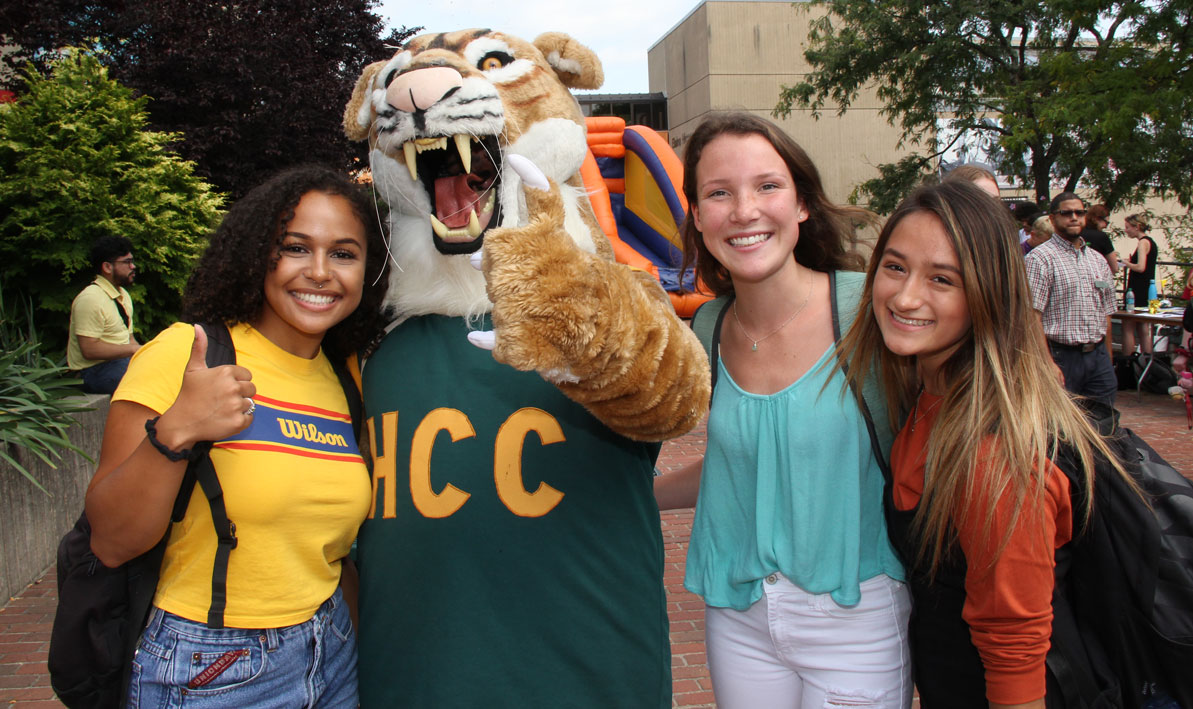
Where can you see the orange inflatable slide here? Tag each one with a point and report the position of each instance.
(635, 182)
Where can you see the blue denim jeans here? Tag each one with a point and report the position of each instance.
(1089, 374)
(183, 663)
(104, 377)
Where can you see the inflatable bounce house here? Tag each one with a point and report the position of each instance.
(635, 183)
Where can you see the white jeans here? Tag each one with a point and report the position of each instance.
(797, 650)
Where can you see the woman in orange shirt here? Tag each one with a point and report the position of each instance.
(975, 507)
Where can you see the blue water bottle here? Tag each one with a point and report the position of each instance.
(1130, 307)
(1151, 291)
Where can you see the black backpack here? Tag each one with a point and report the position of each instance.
(102, 611)
(1151, 374)
(1123, 628)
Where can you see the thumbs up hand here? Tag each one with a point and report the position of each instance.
(214, 403)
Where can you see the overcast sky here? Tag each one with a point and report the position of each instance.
(619, 31)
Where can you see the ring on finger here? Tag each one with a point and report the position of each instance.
(252, 407)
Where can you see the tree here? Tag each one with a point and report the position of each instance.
(252, 85)
(78, 163)
(30, 33)
(1096, 93)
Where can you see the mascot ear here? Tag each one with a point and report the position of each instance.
(576, 65)
(358, 116)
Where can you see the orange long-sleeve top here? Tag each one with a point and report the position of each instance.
(1008, 596)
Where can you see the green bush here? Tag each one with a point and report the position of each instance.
(37, 397)
(1177, 230)
(76, 163)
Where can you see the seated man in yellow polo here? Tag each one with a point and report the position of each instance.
(101, 318)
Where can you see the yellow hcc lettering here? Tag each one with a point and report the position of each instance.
(507, 463)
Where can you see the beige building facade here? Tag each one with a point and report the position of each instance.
(738, 54)
(730, 54)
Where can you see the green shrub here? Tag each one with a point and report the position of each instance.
(37, 397)
(76, 163)
(1178, 231)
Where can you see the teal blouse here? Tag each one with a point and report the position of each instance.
(789, 485)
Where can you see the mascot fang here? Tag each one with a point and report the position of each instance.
(512, 556)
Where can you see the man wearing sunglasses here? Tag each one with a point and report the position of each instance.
(101, 318)
(1073, 290)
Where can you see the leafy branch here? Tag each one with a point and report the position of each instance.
(38, 398)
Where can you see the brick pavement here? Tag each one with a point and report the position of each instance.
(25, 620)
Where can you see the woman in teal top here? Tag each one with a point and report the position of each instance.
(806, 605)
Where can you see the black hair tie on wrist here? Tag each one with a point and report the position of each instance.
(151, 433)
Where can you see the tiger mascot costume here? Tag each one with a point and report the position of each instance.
(512, 556)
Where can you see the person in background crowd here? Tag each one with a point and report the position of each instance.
(1073, 290)
(1097, 218)
(1026, 213)
(101, 338)
(1180, 362)
(1141, 271)
(978, 174)
(1041, 231)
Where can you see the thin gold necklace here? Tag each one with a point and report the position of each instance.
(800, 309)
(916, 415)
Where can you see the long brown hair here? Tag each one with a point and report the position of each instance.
(1003, 400)
(827, 239)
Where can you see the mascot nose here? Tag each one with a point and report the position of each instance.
(418, 90)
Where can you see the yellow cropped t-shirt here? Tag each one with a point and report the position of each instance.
(294, 484)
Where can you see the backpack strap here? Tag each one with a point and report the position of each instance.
(143, 572)
(225, 532)
(846, 287)
(706, 323)
(128, 323)
(348, 382)
(220, 351)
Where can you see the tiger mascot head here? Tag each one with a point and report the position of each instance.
(441, 117)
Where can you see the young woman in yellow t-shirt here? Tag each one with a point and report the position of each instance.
(294, 271)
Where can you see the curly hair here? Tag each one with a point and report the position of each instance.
(227, 284)
(827, 240)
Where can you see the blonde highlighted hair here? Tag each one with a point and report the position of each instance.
(1042, 226)
(1002, 396)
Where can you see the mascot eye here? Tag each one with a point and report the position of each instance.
(494, 60)
(389, 78)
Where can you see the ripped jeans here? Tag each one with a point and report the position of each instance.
(799, 650)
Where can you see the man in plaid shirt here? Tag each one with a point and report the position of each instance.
(1073, 290)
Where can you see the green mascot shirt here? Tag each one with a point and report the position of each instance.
(513, 555)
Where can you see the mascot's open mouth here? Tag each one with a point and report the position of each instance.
(462, 183)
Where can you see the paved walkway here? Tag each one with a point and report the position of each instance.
(25, 620)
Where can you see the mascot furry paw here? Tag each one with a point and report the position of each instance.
(512, 556)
